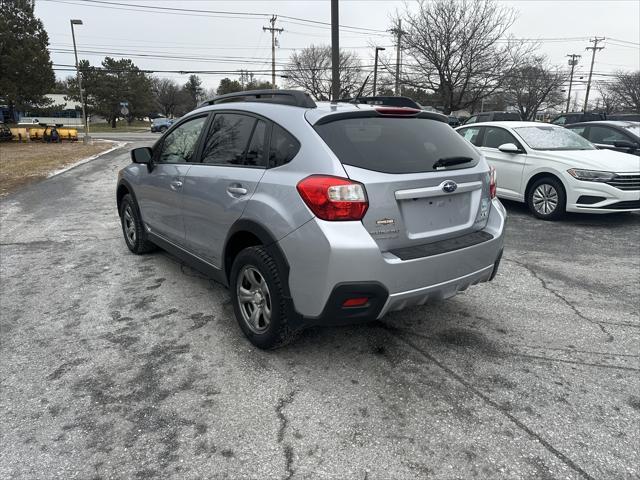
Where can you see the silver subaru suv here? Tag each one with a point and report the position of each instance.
(315, 214)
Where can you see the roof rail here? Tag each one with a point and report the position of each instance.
(295, 98)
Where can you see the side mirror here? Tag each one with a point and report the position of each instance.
(625, 144)
(141, 155)
(509, 148)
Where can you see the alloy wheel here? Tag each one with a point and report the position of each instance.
(129, 225)
(254, 299)
(545, 199)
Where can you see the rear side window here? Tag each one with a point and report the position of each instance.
(283, 146)
(472, 134)
(396, 145)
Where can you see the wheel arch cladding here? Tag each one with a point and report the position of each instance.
(247, 233)
(122, 190)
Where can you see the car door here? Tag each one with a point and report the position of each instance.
(509, 166)
(217, 189)
(159, 191)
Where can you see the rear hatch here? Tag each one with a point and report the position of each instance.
(424, 182)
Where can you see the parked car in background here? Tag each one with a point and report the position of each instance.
(554, 170)
(315, 214)
(161, 124)
(625, 117)
(613, 135)
(454, 121)
(494, 117)
(567, 118)
(392, 101)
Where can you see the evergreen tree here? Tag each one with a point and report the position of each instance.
(26, 71)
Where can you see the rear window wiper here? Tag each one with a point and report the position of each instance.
(450, 161)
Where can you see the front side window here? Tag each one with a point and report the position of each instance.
(179, 145)
(579, 130)
(228, 139)
(604, 135)
(494, 137)
(560, 120)
(553, 138)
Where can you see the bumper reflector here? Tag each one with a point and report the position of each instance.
(355, 302)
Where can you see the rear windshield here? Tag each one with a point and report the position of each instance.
(397, 145)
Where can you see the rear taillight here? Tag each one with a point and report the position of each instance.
(492, 182)
(334, 198)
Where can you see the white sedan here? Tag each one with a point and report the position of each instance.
(555, 170)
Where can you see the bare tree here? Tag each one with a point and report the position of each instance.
(625, 89)
(610, 101)
(167, 94)
(310, 69)
(457, 48)
(534, 86)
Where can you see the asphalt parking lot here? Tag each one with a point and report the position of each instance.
(122, 366)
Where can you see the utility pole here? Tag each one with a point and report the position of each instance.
(573, 62)
(398, 31)
(595, 47)
(273, 31)
(375, 70)
(335, 52)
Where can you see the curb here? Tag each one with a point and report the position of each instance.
(116, 146)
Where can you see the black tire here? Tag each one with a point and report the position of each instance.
(278, 331)
(135, 235)
(541, 197)
(163, 129)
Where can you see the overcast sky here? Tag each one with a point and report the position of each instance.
(231, 42)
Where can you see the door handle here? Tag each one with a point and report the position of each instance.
(235, 190)
(176, 185)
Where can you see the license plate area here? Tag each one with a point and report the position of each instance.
(428, 215)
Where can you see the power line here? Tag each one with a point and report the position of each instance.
(203, 12)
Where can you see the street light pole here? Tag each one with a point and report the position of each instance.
(375, 70)
(86, 138)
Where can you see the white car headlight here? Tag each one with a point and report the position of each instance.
(591, 175)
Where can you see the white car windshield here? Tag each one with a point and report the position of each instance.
(547, 137)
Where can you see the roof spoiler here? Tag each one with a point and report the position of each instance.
(294, 98)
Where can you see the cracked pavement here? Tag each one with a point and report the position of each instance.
(121, 366)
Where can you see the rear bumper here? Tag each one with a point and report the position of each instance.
(336, 253)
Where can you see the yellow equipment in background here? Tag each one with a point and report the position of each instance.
(19, 134)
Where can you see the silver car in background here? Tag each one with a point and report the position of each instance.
(315, 214)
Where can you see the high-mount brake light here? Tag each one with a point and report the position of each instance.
(492, 182)
(397, 110)
(334, 198)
